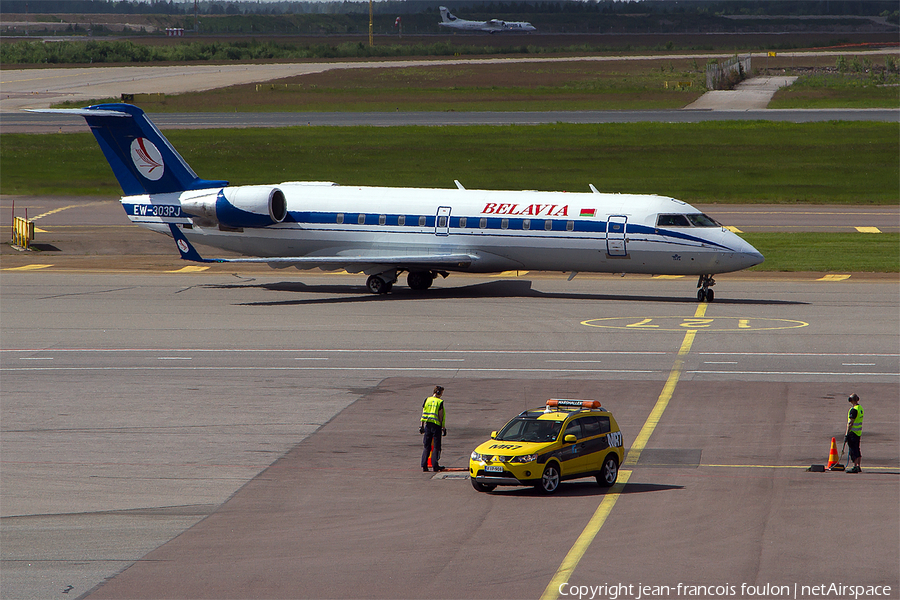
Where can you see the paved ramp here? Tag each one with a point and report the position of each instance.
(752, 94)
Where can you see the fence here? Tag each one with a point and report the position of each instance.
(723, 76)
(23, 232)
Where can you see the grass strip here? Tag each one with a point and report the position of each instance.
(729, 162)
(828, 252)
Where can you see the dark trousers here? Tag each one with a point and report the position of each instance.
(432, 434)
(853, 444)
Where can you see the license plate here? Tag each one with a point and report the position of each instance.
(493, 469)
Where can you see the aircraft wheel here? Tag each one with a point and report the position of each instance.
(420, 280)
(377, 285)
(701, 295)
(710, 295)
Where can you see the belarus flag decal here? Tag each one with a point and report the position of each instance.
(588, 212)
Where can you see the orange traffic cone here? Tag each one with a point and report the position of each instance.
(832, 455)
(430, 452)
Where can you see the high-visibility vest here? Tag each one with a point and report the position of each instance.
(431, 411)
(857, 422)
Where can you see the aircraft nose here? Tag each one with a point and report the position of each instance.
(746, 255)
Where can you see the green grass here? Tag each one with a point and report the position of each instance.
(829, 252)
(850, 90)
(575, 85)
(738, 162)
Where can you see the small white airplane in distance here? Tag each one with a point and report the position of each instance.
(448, 19)
(384, 232)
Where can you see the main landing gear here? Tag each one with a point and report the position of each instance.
(704, 294)
(381, 283)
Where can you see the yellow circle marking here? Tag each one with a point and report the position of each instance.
(695, 323)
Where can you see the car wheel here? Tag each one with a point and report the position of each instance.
(481, 487)
(609, 472)
(550, 479)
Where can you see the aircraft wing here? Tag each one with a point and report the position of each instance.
(362, 258)
(415, 260)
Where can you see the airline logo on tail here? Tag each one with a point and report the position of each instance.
(147, 158)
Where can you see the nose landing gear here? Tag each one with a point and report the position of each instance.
(704, 294)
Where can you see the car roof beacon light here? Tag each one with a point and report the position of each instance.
(560, 403)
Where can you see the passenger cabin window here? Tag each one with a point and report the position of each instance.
(362, 219)
(382, 219)
(483, 222)
(672, 221)
(401, 220)
(462, 222)
(422, 221)
(442, 221)
(504, 223)
(340, 218)
(548, 225)
(570, 225)
(526, 224)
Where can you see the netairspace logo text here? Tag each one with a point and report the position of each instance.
(630, 591)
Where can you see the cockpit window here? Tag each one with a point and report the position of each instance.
(672, 221)
(701, 220)
(697, 220)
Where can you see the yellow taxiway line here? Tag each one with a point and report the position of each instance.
(573, 557)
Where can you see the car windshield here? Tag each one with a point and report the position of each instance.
(529, 430)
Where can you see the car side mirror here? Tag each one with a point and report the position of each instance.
(570, 439)
(493, 435)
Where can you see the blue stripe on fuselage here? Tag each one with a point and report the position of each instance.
(473, 224)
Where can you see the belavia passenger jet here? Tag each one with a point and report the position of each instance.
(384, 232)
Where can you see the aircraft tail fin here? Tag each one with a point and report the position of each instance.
(142, 159)
(446, 15)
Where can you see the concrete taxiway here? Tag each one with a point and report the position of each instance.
(245, 435)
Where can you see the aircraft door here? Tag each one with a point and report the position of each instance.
(442, 221)
(615, 236)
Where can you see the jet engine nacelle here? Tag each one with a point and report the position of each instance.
(241, 206)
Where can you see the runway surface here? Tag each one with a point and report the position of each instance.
(246, 435)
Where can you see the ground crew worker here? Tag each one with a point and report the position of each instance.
(854, 432)
(433, 426)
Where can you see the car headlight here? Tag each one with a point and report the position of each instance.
(527, 458)
(476, 456)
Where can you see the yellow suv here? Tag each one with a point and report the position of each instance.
(566, 439)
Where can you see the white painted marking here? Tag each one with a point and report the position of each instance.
(574, 361)
(35, 358)
(173, 358)
(719, 362)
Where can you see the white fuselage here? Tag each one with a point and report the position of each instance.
(502, 230)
